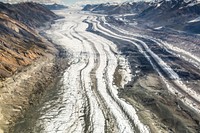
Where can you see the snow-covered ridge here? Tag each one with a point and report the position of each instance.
(117, 8)
(178, 12)
(195, 20)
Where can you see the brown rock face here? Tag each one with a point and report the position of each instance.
(16, 50)
(29, 13)
(20, 44)
(26, 58)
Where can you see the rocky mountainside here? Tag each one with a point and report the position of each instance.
(29, 63)
(176, 14)
(30, 14)
(55, 6)
(124, 8)
(20, 44)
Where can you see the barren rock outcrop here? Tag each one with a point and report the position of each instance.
(20, 43)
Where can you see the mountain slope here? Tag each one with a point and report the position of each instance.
(31, 14)
(20, 44)
(175, 14)
(124, 8)
(55, 6)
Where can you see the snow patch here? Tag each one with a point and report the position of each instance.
(194, 20)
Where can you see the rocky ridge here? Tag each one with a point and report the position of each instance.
(20, 43)
(28, 62)
(176, 14)
(124, 8)
(55, 6)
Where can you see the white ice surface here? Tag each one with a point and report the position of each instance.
(76, 93)
(128, 108)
